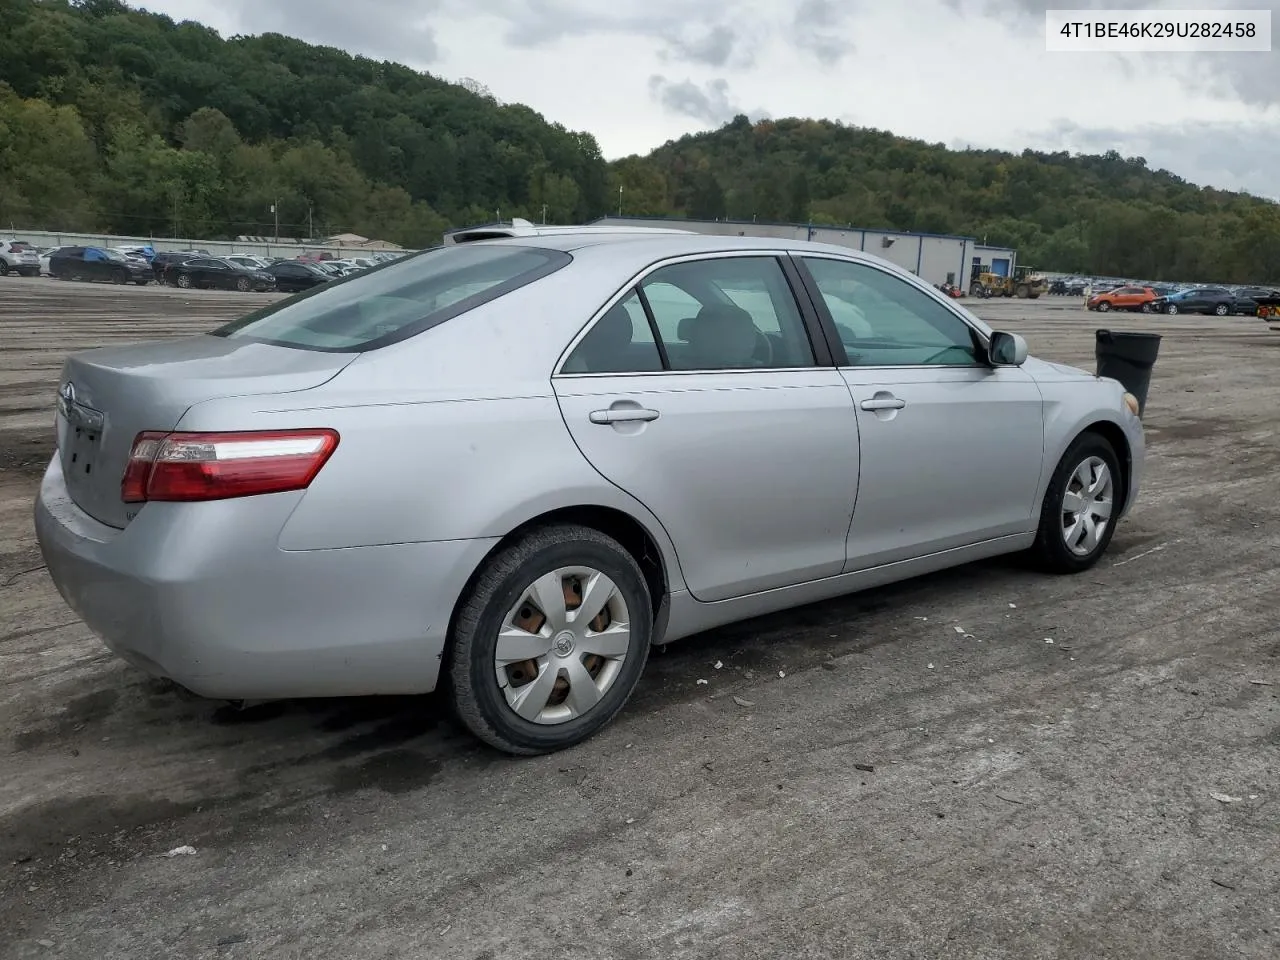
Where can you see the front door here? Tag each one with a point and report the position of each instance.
(951, 447)
(699, 395)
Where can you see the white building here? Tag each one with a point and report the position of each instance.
(934, 257)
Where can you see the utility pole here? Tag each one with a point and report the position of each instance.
(619, 201)
(275, 208)
(544, 214)
(311, 230)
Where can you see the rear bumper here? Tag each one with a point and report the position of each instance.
(202, 594)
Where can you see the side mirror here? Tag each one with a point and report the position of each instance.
(1007, 350)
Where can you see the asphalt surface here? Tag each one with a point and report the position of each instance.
(911, 773)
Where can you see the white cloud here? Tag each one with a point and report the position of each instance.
(639, 72)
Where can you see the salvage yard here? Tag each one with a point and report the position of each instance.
(985, 763)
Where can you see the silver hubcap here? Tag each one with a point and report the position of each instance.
(563, 645)
(1086, 506)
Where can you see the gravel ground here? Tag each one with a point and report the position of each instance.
(882, 785)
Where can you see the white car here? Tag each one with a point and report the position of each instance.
(252, 263)
(18, 257)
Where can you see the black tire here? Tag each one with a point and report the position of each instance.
(120, 276)
(977, 290)
(1050, 551)
(1146, 308)
(183, 281)
(243, 284)
(1023, 291)
(4, 268)
(1171, 309)
(1221, 310)
(1104, 306)
(477, 699)
(142, 282)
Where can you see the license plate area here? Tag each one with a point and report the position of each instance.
(82, 450)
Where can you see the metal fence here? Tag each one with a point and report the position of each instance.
(217, 248)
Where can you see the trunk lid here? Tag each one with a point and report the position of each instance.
(107, 397)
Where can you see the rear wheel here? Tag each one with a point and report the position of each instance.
(1023, 291)
(551, 642)
(1221, 310)
(242, 284)
(120, 276)
(184, 281)
(4, 268)
(1146, 308)
(1077, 518)
(1171, 309)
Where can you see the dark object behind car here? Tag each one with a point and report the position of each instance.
(219, 274)
(293, 276)
(1248, 299)
(95, 263)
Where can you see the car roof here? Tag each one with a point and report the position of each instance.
(643, 242)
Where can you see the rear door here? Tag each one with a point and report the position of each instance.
(951, 448)
(703, 394)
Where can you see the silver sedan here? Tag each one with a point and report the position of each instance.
(510, 465)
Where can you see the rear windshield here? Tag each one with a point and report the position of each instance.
(396, 300)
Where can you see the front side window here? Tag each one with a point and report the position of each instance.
(372, 309)
(883, 320)
(727, 313)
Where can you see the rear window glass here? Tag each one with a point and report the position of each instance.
(397, 300)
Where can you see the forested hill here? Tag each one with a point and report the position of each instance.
(120, 120)
(1100, 214)
(113, 118)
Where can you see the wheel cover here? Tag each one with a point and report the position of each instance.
(563, 645)
(1087, 504)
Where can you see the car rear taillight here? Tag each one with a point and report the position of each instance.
(216, 466)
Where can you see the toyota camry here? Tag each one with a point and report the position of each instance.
(509, 465)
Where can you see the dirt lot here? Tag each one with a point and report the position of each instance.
(883, 786)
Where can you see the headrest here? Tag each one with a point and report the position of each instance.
(614, 330)
(723, 332)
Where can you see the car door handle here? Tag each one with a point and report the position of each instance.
(883, 403)
(623, 415)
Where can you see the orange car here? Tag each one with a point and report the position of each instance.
(1123, 298)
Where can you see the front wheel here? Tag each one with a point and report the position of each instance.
(551, 642)
(242, 284)
(1146, 308)
(1171, 309)
(1077, 518)
(184, 281)
(1221, 310)
(1104, 307)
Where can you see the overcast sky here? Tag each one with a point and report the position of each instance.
(637, 73)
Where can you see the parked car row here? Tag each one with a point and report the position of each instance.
(189, 269)
(1218, 301)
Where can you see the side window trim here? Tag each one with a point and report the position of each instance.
(653, 327)
(784, 259)
(829, 324)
